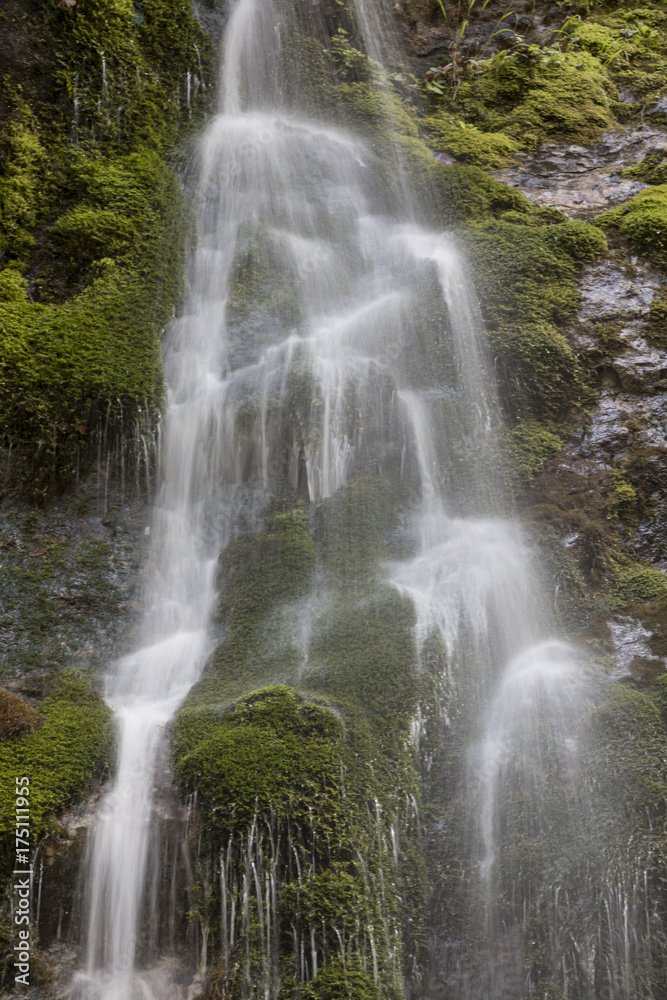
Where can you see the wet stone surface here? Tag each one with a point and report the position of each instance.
(613, 328)
(70, 584)
(584, 180)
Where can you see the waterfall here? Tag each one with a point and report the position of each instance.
(299, 356)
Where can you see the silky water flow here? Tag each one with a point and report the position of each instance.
(336, 384)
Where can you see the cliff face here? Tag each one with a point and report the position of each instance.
(315, 801)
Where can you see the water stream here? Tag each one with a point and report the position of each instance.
(328, 382)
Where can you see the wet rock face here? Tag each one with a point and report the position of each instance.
(628, 426)
(621, 335)
(619, 295)
(585, 180)
(68, 581)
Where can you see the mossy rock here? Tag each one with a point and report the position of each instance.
(489, 150)
(525, 277)
(572, 102)
(643, 222)
(352, 527)
(365, 662)
(322, 760)
(629, 744)
(70, 748)
(273, 752)
(652, 169)
(530, 94)
(625, 500)
(94, 220)
(22, 195)
(62, 364)
(531, 446)
(13, 287)
(258, 571)
(338, 981)
(530, 357)
(376, 113)
(636, 584)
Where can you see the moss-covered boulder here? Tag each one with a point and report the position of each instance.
(70, 748)
(319, 766)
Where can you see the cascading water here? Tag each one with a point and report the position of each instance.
(321, 377)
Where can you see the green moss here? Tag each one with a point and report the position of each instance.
(128, 73)
(95, 217)
(376, 113)
(643, 221)
(609, 38)
(12, 285)
(324, 763)
(63, 365)
(259, 571)
(628, 754)
(528, 272)
(525, 279)
(272, 752)
(391, 128)
(532, 94)
(636, 583)
(61, 758)
(532, 445)
(490, 150)
(21, 193)
(529, 357)
(624, 497)
(660, 697)
(338, 980)
(658, 309)
(353, 525)
(652, 169)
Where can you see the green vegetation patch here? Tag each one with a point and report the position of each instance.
(643, 221)
(301, 727)
(353, 525)
(338, 980)
(61, 758)
(522, 95)
(272, 753)
(94, 227)
(532, 444)
(93, 358)
(490, 150)
(525, 276)
(652, 169)
(260, 570)
(636, 583)
(628, 40)
(629, 751)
